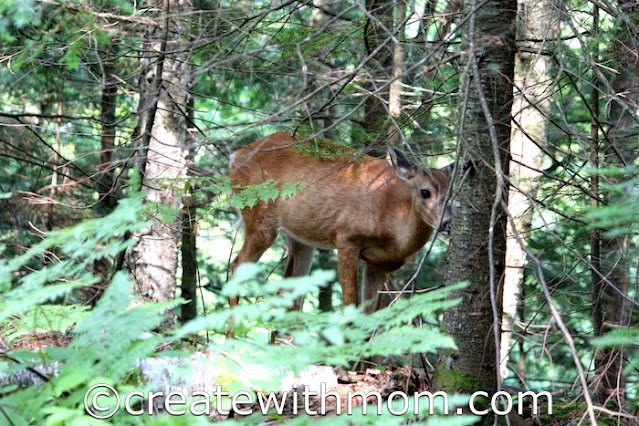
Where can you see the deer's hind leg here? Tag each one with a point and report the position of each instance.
(373, 281)
(258, 237)
(298, 264)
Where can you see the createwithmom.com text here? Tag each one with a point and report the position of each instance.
(103, 401)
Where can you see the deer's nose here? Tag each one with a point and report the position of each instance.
(445, 227)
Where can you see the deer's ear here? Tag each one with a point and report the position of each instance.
(449, 169)
(404, 168)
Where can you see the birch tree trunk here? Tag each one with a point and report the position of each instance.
(476, 253)
(164, 133)
(537, 27)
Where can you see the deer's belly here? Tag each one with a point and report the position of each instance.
(317, 241)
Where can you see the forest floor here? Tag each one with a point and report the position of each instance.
(384, 380)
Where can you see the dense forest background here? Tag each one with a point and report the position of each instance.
(118, 221)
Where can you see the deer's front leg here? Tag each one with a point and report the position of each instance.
(347, 258)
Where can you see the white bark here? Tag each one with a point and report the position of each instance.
(155, 256)
(531, 104)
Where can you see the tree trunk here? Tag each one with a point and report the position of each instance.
(476, 253)
(377, 33)
(385, 68)
(395, 89)
(164, 126)
(537, 26)
(105, 181)
(325, 260)
(595, 193)
(318, 20)
(609, 383)
(189, 264)
(188, 249)
(108, 104)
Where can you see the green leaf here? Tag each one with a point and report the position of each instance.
(619, 337)
(71, 380)
(72, 56)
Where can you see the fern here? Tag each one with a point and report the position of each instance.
(336, 338)
(77, 248)
(109, 341)
(43, 318)
(106, 347)
(250, 195)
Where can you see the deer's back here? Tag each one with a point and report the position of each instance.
(345, 196)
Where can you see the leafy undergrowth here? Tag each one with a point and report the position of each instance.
(105, 345)
(69, 348)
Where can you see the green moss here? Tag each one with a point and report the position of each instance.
(561, 413)
(455, 381)
(325, 149)
(574, 412)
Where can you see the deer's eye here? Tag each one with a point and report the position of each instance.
(425, 193)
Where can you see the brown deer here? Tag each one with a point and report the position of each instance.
(364, 207)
